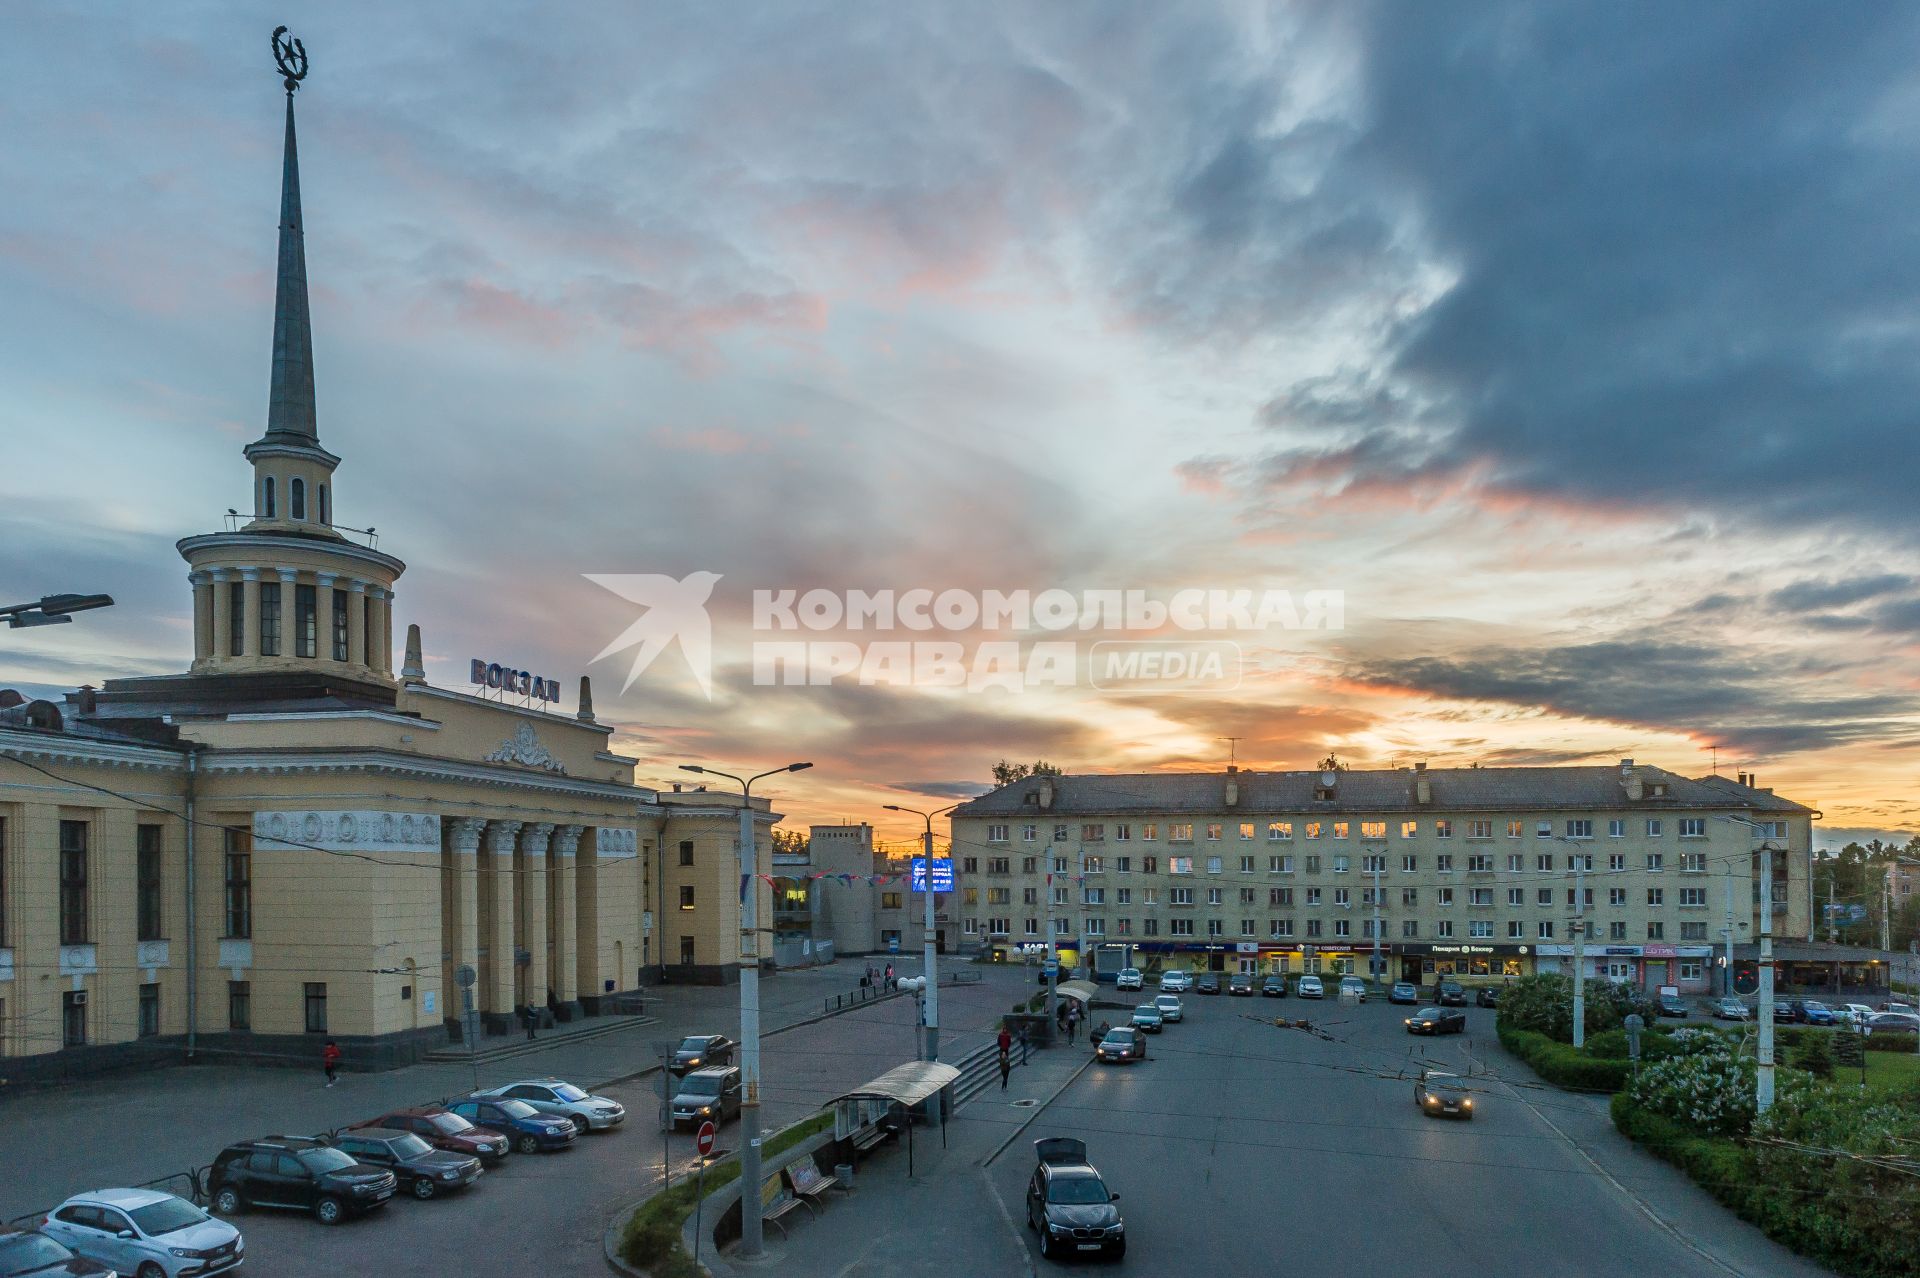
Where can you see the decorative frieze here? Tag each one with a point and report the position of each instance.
(150, 954)
(524, 748)
(346, 831)
(79, 960)
(613, 843)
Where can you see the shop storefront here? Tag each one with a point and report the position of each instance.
(1470, 962)
(1686, 967)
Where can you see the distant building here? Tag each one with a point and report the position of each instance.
(828, 893)
(1426, 872)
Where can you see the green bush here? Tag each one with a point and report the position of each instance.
(1849, 1049)
(1885, 1041)
(1564, 1065)
(1543, 1004)
(1813, 1057)
(1655, 1044)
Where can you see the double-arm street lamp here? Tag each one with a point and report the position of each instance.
(52, 610)
(751, 1221)
(932, 1049)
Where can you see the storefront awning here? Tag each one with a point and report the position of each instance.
(908, 1084)
(1083, 991)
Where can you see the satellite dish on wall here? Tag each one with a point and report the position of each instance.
(1327, 779)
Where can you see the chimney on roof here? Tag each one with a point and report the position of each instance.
(676, 787)
(86, 698)
(1420, 766)
(1630, 781)
(1232, 768)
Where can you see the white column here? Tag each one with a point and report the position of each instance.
(531, 867)
(464, 944)
(566, 958)
(202, 615)
(496, 923)
(289, 642)
(323, 588)
(250, 577)
(222, 610)
(356, 623)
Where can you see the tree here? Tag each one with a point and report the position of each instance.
(1331, 763)
(789, 842)
(1005, 773)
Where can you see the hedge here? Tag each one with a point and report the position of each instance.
(651, 1239)
(1564, 1065)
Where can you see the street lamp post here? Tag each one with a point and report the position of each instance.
(51, 610)
(932, 1048)
(1763, 1077)
(752, 1228)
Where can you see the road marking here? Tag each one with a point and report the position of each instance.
(1006, 1218)
(1645, 1208)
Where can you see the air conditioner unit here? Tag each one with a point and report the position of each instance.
(79, 998)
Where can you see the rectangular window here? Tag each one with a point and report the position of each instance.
(1373, 829)
(1246, 829)
(1213, 896)
(1616, 897)
(1313, 865)
(1343, 898)
(1580, 829)
(1479, 864)
(73, 883)
(270, 618)
(1478, 829)
(1443, 829)
(1445, 895)
(315, 1002)
(1093, 834)
(1029, 896)
(1693, 827)
(1149, 832)
(1409, 927)
(339, 625)
(1616, 862)
(1342, 864)
(1213, 865)
(1544, 862)
(888, 900)
(1656, 896)
(1340, 829)
(1213, 831)
(1313, 896)
(1122, 834)
(1693, 931)
(1409, 863)
(147, 871)
(687, 952)
(1544, 896)
(1479, 896)
(1312, 830)
(1029, 833)
(1282, 927)
(1444, 863)
(1313, 927)
(1693, 862)
(1246, 865)
(149, 1010)
(1280, 896)
(1656, 931)
(1444, 928)
(1480, 929)
(1149, 927)
(1180, 896)
(1093, 896)
(73, 1018)
(1516, 862)
(1653, 827)
(1180, 832)
(1516, 930)
(1149, 865)
(1616, 931)
(1033, 927)
(1693, 898)
(686, 896)
(1409, 829)
(1059, 834)
(236, 619)
(996, 834)
(1179, 927)
(1515, 829)
(1517, 897)
(1279, 865)
(1343, 927)
(239, 882)
(239, 1005)
(1545, 931)
(686, 852)
(1616, 829)
(1692, 971)
(1410, 897)
(1091, 865)
(1279, 830)
(1213, 927)
(1096, 927)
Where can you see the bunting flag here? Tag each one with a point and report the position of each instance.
(744, 880)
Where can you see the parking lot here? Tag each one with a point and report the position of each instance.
(535, 1212)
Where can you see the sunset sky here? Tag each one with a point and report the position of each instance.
(1574, 345)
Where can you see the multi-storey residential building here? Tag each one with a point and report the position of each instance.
(1410, 873)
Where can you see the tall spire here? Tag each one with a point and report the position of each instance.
(290, 410)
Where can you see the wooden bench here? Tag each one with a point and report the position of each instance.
(810, 1183)
(867, 1137)
(776, 1200)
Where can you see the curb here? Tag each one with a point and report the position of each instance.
(651, 1070)
(1037, 1111)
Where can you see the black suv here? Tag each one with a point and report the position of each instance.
(422, 1170)
(297, 1172)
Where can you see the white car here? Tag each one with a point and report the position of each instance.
(145, 1232)
(553, 1096)
(1169, 1005)
(1853, 1013)
(1129, 979)
(1174, 982)
(1310, 987)
(1354, 988)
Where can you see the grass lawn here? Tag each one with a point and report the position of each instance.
(1888, 1073)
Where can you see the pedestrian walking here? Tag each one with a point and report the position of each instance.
(330, 1061)
(1023, 1044)
(526, 1014)
(890, 981)
(1005, 1041)
(1006, 1068)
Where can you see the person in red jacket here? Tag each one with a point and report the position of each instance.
(330, 1058)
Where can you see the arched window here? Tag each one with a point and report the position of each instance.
(297, 498)
(267, 505)
(324, 517)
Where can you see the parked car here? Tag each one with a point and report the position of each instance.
(25, 1254)
(1853, 1013)
(1403, 992)
(1782, 1011)
(1671, 1005)
(1892, 1023)
(1487, 996)
(1310, 987)
(144, 1232)
(1436, 1092)
(701, 1050)
(1450, 994)
(299, 1173)
(1893, 1006)
(1437, 1020)
(422, 1170)
(554, 1096)
(707, 1094)
(528, 1128)
(1240, 983)
(1274, 987)
(1207, 984)
(1808, 1011)
(1170, 1007)
(1354, 987)
(1069, 1205)
(1147, 1017)
(446, 1130)
(1730, 1009)
(1122, 1044)
(1129, 979)
(1175, 981)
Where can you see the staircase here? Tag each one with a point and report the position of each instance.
(506, 1047)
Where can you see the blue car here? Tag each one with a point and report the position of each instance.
(528, 1128)
(1403, 992)
(1811, 1013)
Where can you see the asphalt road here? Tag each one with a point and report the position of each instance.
(1242, 1148)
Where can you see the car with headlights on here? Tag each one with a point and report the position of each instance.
(26, 1254)
(1122, 1044)
(697, 1051)
(1437, 1020)
(1069, 1204)
(1129, 979)
(298, 1173)
(444, 1129)
(422, 1170)
(1147, 1017)
(1170, 1007)
(530, 1130)
(555, 1096)
(1436, 1092)
(707, 1094)
(144, 1232)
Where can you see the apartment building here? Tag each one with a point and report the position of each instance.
(1412, 874)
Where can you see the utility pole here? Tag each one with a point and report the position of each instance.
(1726, 984)
(1579, 947)
(931, 1005)
(1379, 863)
(1763, 1085)
(1053, 954)
(1080, 880)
